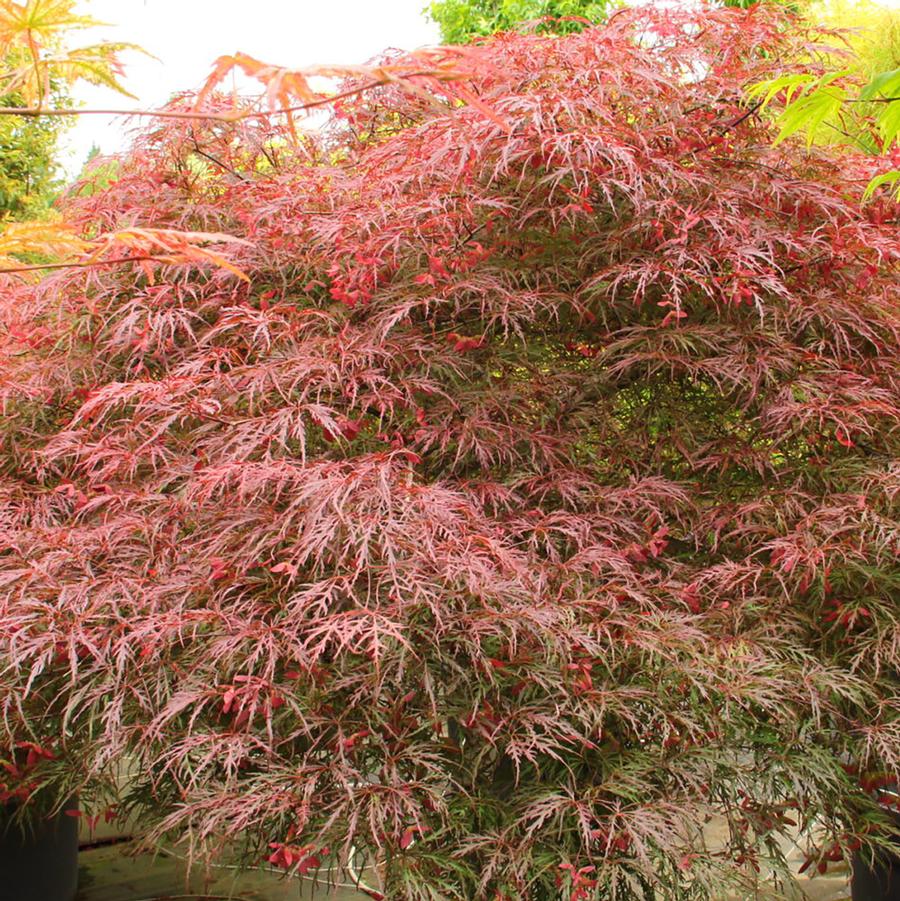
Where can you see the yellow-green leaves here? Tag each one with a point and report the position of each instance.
(810, 102)
(884, 85)
(52, 239)
(869, 116)
(146, 247)
(96, 64)
(37, 66)
(886, 178)
(790, 84)
(885, 89)
(42, 18)
(34, 32)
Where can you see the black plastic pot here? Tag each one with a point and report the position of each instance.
(41, 862)
(878, 880)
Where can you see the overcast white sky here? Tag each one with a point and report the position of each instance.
(187, 35)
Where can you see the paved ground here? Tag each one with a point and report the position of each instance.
(110, 874)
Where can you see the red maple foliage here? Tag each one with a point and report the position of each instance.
(534, 501)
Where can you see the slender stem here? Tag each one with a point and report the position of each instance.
(37, 267)
(215, 160)
(737, 121)
(235, 116)
(34, 112)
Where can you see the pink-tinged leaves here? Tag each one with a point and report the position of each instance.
(534, 471)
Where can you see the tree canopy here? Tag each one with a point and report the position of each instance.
(519, 496)
(463, 20)
(29, 178)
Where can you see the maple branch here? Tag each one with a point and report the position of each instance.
(234, 116)
(35, 112)
(841, 131)
(726, 127)
(729, 126)
(472, 232)
(37, 267)
(215, 161)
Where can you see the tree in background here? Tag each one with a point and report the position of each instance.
(29, 176)
(39, 67)
(464, 20)
(531, 498)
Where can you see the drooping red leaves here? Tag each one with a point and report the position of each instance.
(534, 496)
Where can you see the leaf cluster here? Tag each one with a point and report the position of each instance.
(845, 90)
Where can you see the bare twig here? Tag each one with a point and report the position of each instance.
(233, 116)
(216, 161)
(88, 264)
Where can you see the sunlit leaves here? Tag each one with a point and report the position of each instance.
(42, 18)
(39, 29)
(96, 64)
(790, 85)
(434, 76)
(885, 89)
(809, 102)
(39, 68)
(149, 247)
(885, 86)
(833, 104)
(284, 87)
(39, 237)
(886, 178)
(164, 246)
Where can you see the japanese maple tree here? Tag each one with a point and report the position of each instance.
(532, 501)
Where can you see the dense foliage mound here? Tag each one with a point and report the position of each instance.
(533, 501)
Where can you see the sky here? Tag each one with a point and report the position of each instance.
(187, 35)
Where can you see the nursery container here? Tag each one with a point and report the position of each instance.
(877, 880)
(39, 862)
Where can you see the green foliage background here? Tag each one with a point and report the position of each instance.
(875, 37)
(29, 179)
(463, 20)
